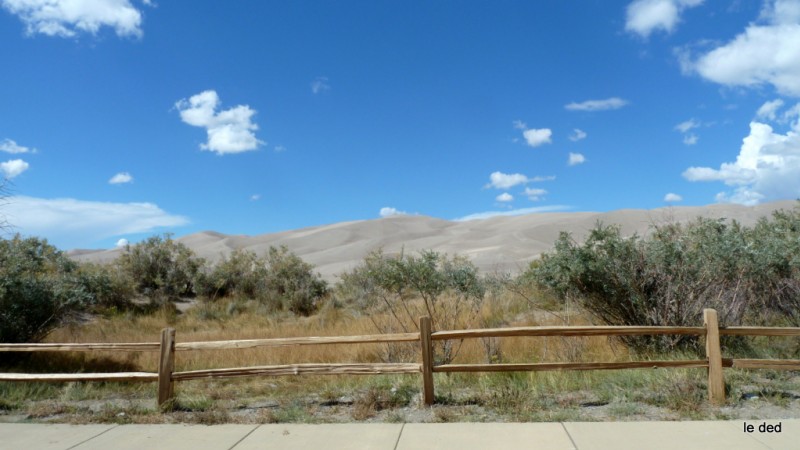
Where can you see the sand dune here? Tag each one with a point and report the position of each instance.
(499, 243)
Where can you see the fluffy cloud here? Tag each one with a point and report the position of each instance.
(229, 131)
(388, 211)
(767, 167)
(67, 18)
(122, 243)
(764, 54)
(500, 180)
(535, 195)
(536, 137)
(575, 159)
(71, 223)
(513, 212)
(121, 178)
(645, 16)
(672, 198)
(9, 146)
(320, 84)
(597, 105)
(505, 197)
(577, 135)
(14, 167)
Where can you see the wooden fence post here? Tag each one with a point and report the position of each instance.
(427, 360)
(166, 365)
(716, 382)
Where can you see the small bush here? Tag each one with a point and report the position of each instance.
(280, 280)
(161, 269)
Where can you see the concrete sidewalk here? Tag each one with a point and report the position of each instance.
(458, 436)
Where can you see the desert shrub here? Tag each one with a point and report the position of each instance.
(280, 280)
(161, 269)
(242, 273)
(39, 288)
(405, 287)
(669, 277)
(110, 287)
(291, 282)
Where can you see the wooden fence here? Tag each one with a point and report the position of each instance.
(166, 376)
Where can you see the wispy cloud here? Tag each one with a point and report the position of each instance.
(9, 146)
(320, 84)
(121, 178)
(71, 223)
(229, 131)
(535, 194)
(536, 137)
(577, 135)
(68, 18)
(597, 105)
(513, 212)
(672, 198)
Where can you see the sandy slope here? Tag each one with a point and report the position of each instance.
(503, 243)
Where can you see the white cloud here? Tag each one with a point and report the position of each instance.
(67, 18)
(688, 125)
(500, 180)
(505, 197)
(9, 146)
(388, 211)
(535, 195)
(255, 197)
(575, 159)
(537, 179)
(672, 198)
(121, 178)
(769, 109)
(597, 105)
(280, 149)
(536, 137)
(764, 54)
(320, 84)
(577, 135)
(690, 139)
(122, 243)
(513, 212)
(13, 167)
(229, 131)
(767, 167)
(71, 223)
(645, 16)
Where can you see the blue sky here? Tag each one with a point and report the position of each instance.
(124, 118)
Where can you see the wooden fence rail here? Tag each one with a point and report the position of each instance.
(166, 377)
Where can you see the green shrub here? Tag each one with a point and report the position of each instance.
(671, 276)
(39, 288)
(161, 269)
(280, 280)
(406, 287)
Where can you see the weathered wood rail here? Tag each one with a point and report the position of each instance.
(166, 377)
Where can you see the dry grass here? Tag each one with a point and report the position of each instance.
(513, 396)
